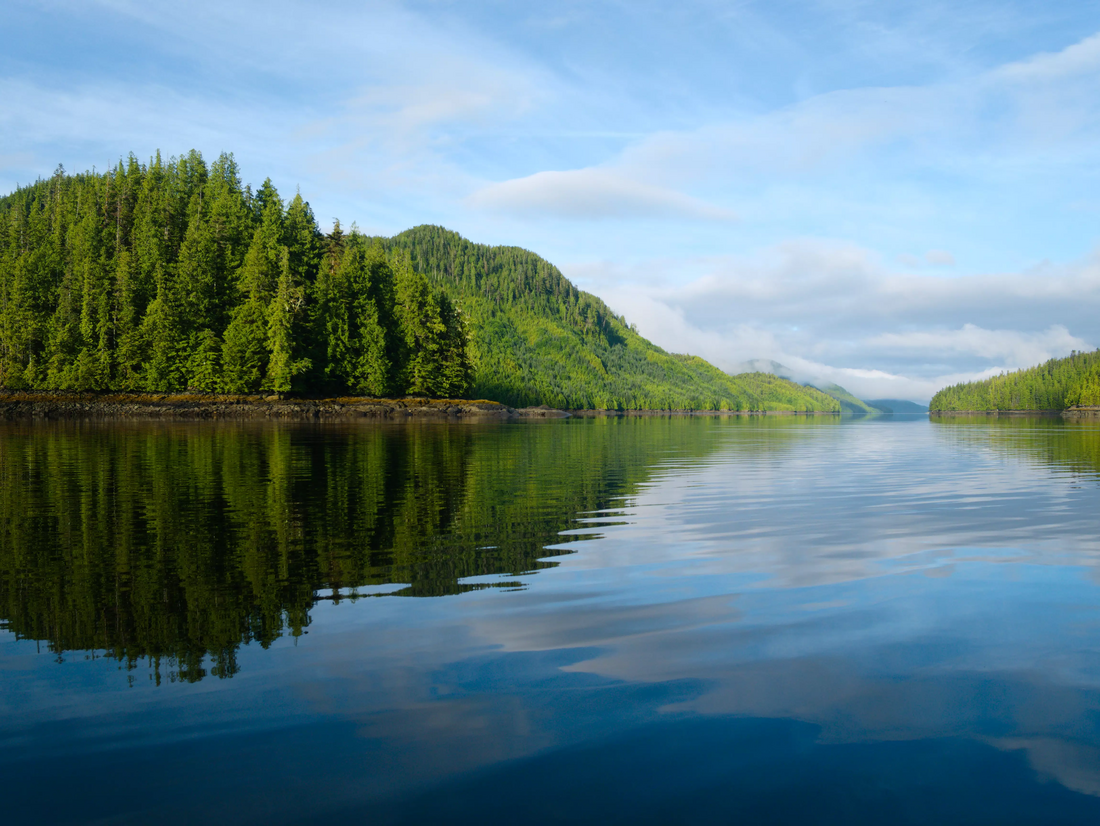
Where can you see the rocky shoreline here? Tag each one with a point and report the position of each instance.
(1069, 413)
(19, 404)
(57, 405)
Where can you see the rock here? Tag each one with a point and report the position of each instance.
(20, 404)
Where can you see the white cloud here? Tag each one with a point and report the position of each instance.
(983, 126)
(932, 258)
(1076, 59)
(1011, 347)
(835, 312)
(592, 193)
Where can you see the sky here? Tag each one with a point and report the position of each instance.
(895, 196)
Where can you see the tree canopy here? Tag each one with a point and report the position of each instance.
(1073, 381)
(171, 275)
(537, 339)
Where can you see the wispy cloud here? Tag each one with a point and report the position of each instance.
(593, 193)
(1010, 347)
(837, 312)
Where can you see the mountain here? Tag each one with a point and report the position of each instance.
(848, 402)
(1055, 385)
(897, 406)
(173, 276)
(537, 339)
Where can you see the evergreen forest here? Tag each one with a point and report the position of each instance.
(537, 339)
(172, 276)
(1073, 381)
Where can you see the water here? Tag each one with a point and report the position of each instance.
(713, 620)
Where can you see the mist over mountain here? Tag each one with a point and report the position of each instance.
(897, 406)
(849, 403)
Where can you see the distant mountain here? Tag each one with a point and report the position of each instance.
(848, 402)
(897, 406)
(537, 339)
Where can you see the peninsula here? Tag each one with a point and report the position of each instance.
(172, 277)
(1069, 386)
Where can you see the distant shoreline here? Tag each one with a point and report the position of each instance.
(18, 405)
(1068, 413)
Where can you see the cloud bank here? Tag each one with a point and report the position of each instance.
(838, 313)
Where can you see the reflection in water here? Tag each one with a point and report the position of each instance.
(183, 541)
(757, 620)
(1073, 447)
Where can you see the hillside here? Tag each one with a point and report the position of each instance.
(172, 276)
(538, 339)
(848, 402)
(1056, 385)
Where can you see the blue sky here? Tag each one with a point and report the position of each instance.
(893, 196)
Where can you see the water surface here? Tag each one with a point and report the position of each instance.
(713, 620)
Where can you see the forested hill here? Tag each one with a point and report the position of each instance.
(172, 275)
(850, 403)
(538, 339)
(1056, 385)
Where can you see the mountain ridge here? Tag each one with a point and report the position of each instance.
(849, 402)
(553, 329)
(173, 276)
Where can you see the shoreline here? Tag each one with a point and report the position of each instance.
(1068, 413)
(16, 405)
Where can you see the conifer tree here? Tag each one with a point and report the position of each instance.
(286, 308)
(171, 275)
(422, 329)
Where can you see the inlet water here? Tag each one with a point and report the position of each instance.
(666, 620)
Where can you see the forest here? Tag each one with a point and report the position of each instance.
(172, 275)
(1073, 381)
(537, 339)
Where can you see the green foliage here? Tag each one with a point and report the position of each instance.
(1056, 385)
(355, 324)
(848, 402)
(537, 339)
(171, 275)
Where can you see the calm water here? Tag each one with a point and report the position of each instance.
(704, 620)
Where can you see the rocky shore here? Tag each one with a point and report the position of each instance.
(1082, 413)
(20, 404)
(58, 405)
(1069, 413)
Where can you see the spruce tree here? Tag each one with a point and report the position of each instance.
(171, 275)
(287, 306)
